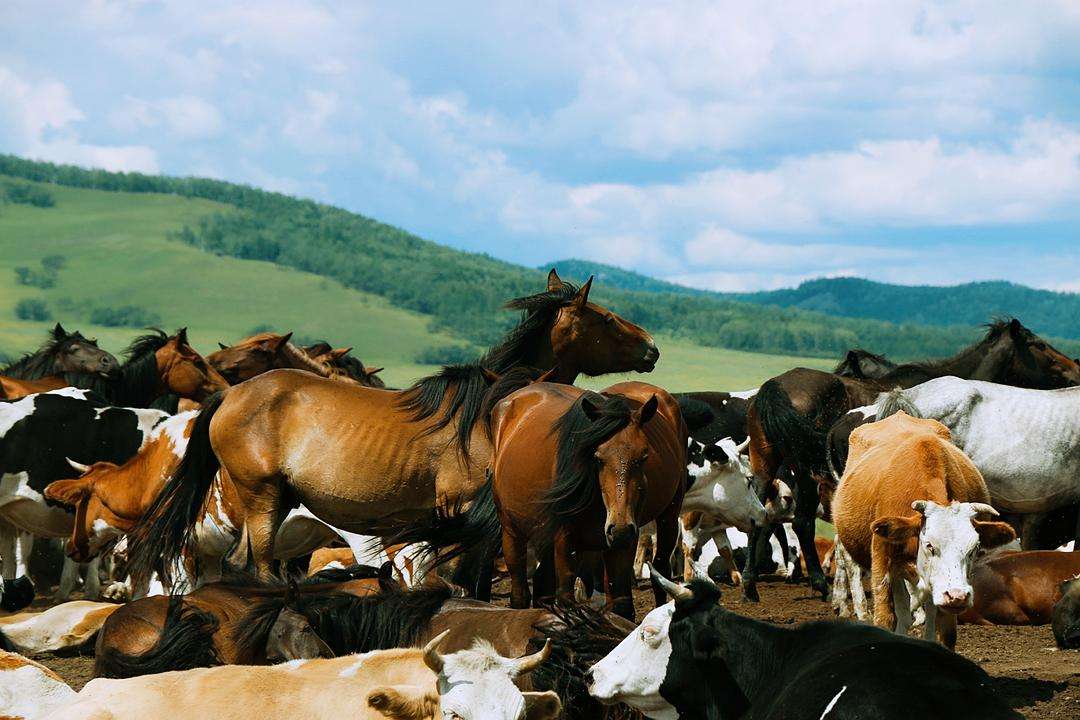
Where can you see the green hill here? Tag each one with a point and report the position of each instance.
(968, 304)
(226, 259)
(117, 253)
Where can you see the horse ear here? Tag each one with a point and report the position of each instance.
(647, 411)
(1016, 329)
(589, 407)
(58, 332)
(582, 296)
(554, 282)
(276, 345)
(222, 345)
(339, 353)
(181, 336)
(546, 377)
(490, 377)
(371, 372)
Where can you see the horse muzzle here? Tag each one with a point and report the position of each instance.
(619, 536)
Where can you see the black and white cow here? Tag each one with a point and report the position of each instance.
(38, 435)
(728, 417)
(693, 659)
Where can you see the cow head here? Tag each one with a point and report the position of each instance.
(949, 536)
(633, 672)
(724, 485)
(96, 524)
(474, 684)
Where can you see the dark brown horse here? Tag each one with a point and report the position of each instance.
(63, 355)
(792, 413)
(584, 472)
(213, 625)
(363, 459)
(863, 364)
(344, 366)
(261, 353)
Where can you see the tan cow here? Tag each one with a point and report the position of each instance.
(61, 627)
(895, 466)
(474, 684)
(28, 690)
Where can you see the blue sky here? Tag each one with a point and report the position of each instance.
(733, 146)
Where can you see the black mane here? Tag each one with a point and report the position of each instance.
(467, 382)
(576, 487)
(138, 381)
(348, 623)
(914, 373)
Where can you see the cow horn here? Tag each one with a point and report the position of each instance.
(531, 662)
(432, 658)
(984, 508)
(83, 468)
(742, 446)
(676, 591)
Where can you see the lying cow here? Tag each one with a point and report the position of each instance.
(29, 690)
(896, 465)
(694, 659)
(474, 684)
(1019, 588)
(62, 627)
(1065, 618)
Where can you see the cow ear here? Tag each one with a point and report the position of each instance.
(404, 702)
(993, 533)
(68, 492)
(542, 705)
(897, 529)
(646, 412)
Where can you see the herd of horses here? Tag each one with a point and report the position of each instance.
(273, 503)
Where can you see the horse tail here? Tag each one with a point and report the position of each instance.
(834, 456)
(186, 642)
(450, 532)
(801, 444)
(893, 402)
(166, 526)
(16, 594)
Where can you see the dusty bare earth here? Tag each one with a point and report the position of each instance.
(1035, 677)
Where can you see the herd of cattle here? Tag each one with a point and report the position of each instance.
(270, 532)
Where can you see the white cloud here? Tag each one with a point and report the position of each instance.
(185, 116)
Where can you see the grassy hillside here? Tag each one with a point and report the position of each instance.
(1050, 313)
(461, 292)
(117, 253)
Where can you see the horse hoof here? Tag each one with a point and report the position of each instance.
(821, 587)
(750, 594)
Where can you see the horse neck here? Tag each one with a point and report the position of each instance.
(299, 360)
(137, 386)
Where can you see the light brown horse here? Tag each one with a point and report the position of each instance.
(367, 460)
(343, 366)
(49, 368)
(261, 353)
(587, 471)
(790, 416)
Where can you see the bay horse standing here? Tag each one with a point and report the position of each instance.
(363, 459)
(792, 413)
(50, 368)
(583, 472)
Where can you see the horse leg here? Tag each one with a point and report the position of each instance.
(805, 519)
(261, 524)
(750, 573)
(516, 551)
(667, 536)
(543, 579)
(619, 568)
(564, 567)
(901, 603)
(1029, 530)
(69, 578)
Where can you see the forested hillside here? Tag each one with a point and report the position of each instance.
(462, 291)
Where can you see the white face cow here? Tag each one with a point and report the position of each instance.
(949, 537)
(478, 684)
(633, 672)
(724, 485)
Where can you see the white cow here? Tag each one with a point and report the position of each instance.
(633, 672)
(29, 690)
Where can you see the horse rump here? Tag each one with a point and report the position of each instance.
(186, 642)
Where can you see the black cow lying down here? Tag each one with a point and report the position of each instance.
(692, 659)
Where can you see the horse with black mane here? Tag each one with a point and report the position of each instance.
(791, 414)
(60, 362)
(363, 459)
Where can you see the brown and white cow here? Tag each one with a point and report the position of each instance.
(1019, 588)
(413, 684)
(61, 627)
(895, 466)
(29, 690)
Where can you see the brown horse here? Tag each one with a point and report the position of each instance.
(48, 369)
(792, 413)
(343, 366)
(366, 460)
(585, 472)
(261, 353)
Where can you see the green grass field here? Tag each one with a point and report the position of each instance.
(117, 254)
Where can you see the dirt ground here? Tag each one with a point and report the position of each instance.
(1031, 674)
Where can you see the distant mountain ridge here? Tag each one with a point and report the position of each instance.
(1052, 313)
